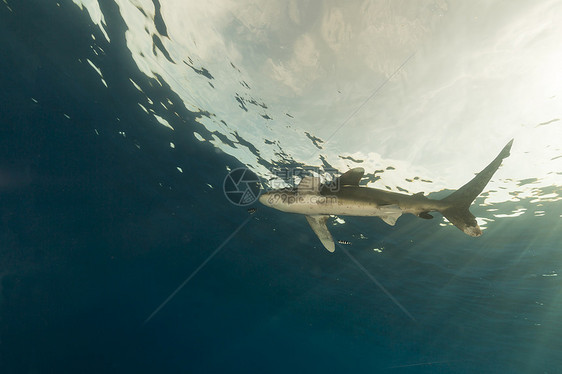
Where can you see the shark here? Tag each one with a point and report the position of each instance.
(345, 197)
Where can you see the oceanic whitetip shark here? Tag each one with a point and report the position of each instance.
(344, 196)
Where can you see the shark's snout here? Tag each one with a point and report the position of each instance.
(264, 198)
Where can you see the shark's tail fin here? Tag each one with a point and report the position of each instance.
(459, 201)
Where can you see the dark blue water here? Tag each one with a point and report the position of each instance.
(97, 229)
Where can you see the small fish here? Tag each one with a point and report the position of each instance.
(252, 210)
(344, 242)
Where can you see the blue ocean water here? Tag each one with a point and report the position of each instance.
(98, 227)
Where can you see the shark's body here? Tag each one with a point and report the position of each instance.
(346, 197)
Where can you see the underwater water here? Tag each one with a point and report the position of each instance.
(120, 121)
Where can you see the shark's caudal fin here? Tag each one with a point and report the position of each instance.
(459, 201)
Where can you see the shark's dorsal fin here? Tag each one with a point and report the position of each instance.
(318, 224)
(309, 184)
(351, 177)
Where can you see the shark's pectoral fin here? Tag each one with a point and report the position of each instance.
(390, 213)
(318, 224)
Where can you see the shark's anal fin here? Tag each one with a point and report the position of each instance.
(425, 215)
(318, 224)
